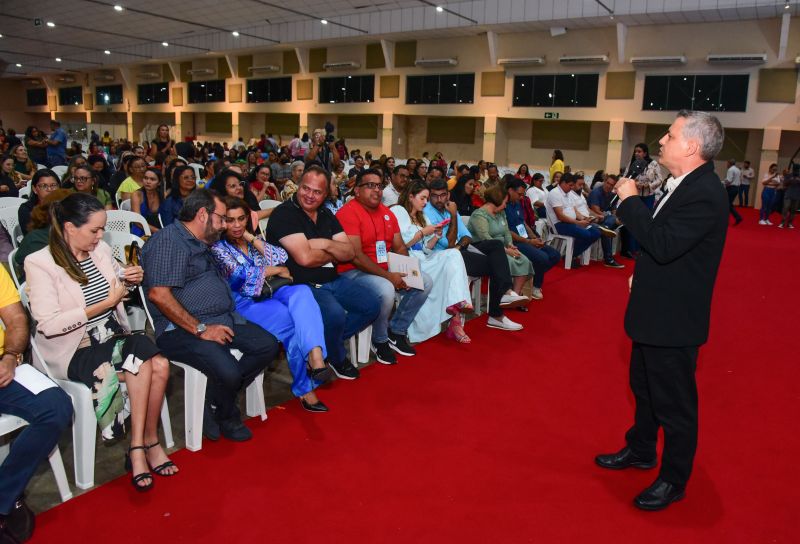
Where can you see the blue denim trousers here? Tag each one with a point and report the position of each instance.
(584, 237)
(542, 259)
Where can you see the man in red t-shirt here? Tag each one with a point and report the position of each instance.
(373, 231)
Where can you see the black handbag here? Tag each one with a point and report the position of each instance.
(271, 286)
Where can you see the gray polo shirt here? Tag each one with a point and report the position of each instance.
(174, 258)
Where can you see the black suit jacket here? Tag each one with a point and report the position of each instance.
(670, 300)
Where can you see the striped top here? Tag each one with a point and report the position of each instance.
(95, 291)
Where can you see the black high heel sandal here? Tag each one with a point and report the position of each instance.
(161, 469)
(136, 478)
(319, 374)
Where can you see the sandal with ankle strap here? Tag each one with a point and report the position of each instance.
(136, 478)
(161, 469)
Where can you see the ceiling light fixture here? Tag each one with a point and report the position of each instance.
(235, 34)
(51, 24)
(58, 59)
(165, 44)
(787, 6)
(118, 8)
(19, 65)
(439, 9)
(323, 21)
(107, 52)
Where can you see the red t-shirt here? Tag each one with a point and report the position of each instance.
(371, 226)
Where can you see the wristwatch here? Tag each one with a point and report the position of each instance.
(200, 329)
(17, 357)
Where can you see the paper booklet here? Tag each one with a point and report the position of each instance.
(32, 380)
(408, 266)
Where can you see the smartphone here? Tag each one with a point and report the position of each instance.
(443, 223)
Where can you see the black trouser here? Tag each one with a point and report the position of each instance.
(492, 262)
(663, 383)
(733, 192)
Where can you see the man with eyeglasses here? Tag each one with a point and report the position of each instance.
(43, 183)
(391, 193)
(315, 242)
(374, 232)
(194, 314)
(484, 258)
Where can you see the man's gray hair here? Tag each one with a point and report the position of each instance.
(705, 128)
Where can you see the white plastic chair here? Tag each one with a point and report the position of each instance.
(10, 221)
(125, 205)
(566, 246)
(59, 170)
(198, 170)
(121, 221)
(12, 267)
(11, 202)
(25, 192)
(84, 426)
(267, 205)
(120, 243)
(41, 167)
(9, 424)
(360, 345)
(194, 386)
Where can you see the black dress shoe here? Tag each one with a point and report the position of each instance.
(658, 496)
(317, 407)
(624, 458)
(19, 523)
(211, 429)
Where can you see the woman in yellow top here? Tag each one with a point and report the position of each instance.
(135, 180)
(558, 163)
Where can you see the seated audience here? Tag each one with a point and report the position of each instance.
(47, 412)
(526, 240)
(524, 174)
(462, 170)
(373, 231)
(135, 168)
(483, 258)
(462, 195)
(182, 184)
(449, 294)
(314, 241)
(562, 213)
(38, 234)
(43, 183)
(24, 167)
(76, 289)
(604, 223)
(290, 313)
(397, 184)
(489, 223)
(229, 183)
(195, 315)
(10, 182)
(537, 195)
(334, 201)
(147, 200)
(85, 181)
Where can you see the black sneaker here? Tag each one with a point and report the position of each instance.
(211, 428)
(345, 370)
(612, 263)
(400, 343)
(383, 353)
(233, 429)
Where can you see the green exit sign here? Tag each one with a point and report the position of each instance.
(551, 115)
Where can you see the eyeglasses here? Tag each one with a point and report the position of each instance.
(371, 186)
(222, 217)
(48, 187)
(82, 179)
(439, 196)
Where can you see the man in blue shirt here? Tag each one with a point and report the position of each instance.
(484, 258)
(56, 145)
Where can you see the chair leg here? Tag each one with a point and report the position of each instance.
(364, 343)
(254, 398)
(84, 438)
(166, 424)
(477, 296)
(353, 349)
(570, 245)
(57, 464)
(194, 402)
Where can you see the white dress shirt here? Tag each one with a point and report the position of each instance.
(670, 186)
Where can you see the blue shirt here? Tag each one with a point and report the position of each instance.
(515, 216)
(57, 154)
(170, 209)
(598, 197)
(435, 217)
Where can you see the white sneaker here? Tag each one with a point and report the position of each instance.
(536, 294)
(762, 222)
(512, 300)
(791, 226)
(780, 226)
(768, 222)
(503, 323)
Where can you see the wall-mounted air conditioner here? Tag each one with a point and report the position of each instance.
(265, 68)
(65, 79)
(103, 77)
(530, 61)
(346, 65)
(672, 60)
(201, 72)
(433, 63)
(149, 75)
(754, 58)
(584, 59)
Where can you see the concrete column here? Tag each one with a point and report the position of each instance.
(234, 126)
(489, 138)
(616, 128)
(129, 123)
(88, 117)
(303, 123)
(178, 126)
(387, 131)
(769, 155)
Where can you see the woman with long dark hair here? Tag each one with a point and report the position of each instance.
(647, 174)
(523, 173)
(36, 144)
(76, 289)
(229, 183)
(462, 194)
(147, 200)
(183, 182)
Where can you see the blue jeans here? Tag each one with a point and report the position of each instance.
(47, 414)
(744, 194)
(584, 237)
(346, 307)
(410, 303)
(226, 375)
(767, 203)
(293, 316)
(542, 259)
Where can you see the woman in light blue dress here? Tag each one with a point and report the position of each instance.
(450, 294)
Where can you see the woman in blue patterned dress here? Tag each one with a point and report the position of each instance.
(291, 314)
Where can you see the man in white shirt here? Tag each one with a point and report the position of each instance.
(562, 213)
(748, 174)
(391, 193)
(733, 179)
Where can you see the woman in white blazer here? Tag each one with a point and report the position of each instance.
(76, 289)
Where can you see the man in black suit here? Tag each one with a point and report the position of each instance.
(670, 302)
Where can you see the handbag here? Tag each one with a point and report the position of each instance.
(271, 286)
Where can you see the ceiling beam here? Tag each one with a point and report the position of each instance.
(175, 68)
(784, 40)
(302, 59)
(622, 34)
(491, 38)
(233, 65)
(388, 53)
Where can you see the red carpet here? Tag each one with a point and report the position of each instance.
(494, 442)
